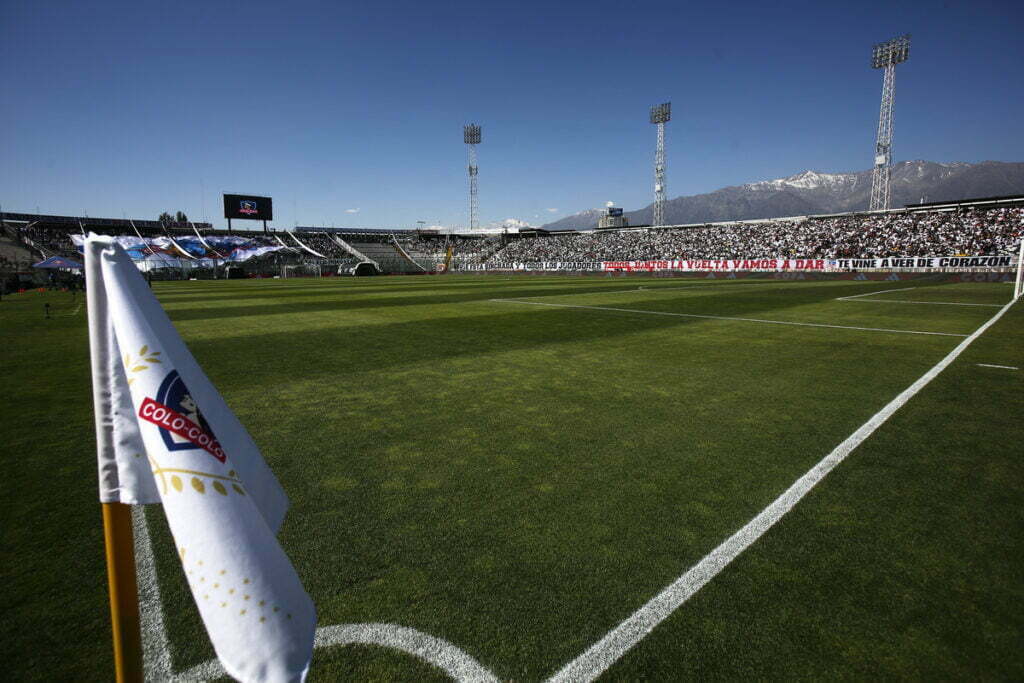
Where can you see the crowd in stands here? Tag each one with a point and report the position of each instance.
(321, 244)
(464, 249)
(996, 231)
(367, 237)
(44, 240)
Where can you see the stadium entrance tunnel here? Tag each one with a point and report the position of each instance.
(365, 268)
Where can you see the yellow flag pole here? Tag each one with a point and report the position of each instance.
(117, 517)
(124, 592)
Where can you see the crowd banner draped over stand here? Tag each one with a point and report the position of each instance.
(164, 252)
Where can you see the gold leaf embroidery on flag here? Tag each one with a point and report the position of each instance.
(171, 473)
(139, 365)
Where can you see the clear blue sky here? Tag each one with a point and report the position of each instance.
(351, 114)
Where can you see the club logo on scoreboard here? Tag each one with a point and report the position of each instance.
(247, 207)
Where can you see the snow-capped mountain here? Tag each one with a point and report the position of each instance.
(811, 192)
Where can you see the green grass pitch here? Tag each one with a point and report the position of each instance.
(518, 478)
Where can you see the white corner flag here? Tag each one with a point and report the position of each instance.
(166, 436)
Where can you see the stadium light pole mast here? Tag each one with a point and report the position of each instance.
(660, 115)
(886, 56)
(471, 136)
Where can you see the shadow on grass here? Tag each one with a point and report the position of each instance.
(800, 294)
(344, 350)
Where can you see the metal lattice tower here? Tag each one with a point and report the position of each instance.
(660, 115)
(471, 136)
(886, 56)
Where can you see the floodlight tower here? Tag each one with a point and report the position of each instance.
(886, 56)
(660, 115)
(471, 136)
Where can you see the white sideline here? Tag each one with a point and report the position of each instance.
(619, 640)
(723, 317)
(1001, 367)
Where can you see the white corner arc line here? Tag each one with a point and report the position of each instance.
(437, 651)
(156, 651)
(619, 640)
(724, 317)
(1001, 367)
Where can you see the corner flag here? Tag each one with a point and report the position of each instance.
(165, 435)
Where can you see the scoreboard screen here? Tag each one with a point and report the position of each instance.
(246, 206)
(615, 211)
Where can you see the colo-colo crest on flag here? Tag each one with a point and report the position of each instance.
(182, 426)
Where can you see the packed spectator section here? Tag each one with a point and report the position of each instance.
(968, 232)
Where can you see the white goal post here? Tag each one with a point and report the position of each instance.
(1018, 284)
(301, 270)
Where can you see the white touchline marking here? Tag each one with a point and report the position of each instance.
(1001, 367)
(723, 317)
(442, 654)
(619, 640)
(156, 650)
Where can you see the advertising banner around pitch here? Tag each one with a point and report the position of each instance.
(900, 262)
(717, 265)
(165, 435)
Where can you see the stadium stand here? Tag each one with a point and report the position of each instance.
(464, 249)
(972, 232)
(948, 231)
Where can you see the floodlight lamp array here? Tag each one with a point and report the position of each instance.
(661, 113)
(471, 134)
(891, 52)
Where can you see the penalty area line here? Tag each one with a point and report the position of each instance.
(905, 301)
(623, 637)
(882, 291)
(723, 317)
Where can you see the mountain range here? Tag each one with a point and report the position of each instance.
(811, 193)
